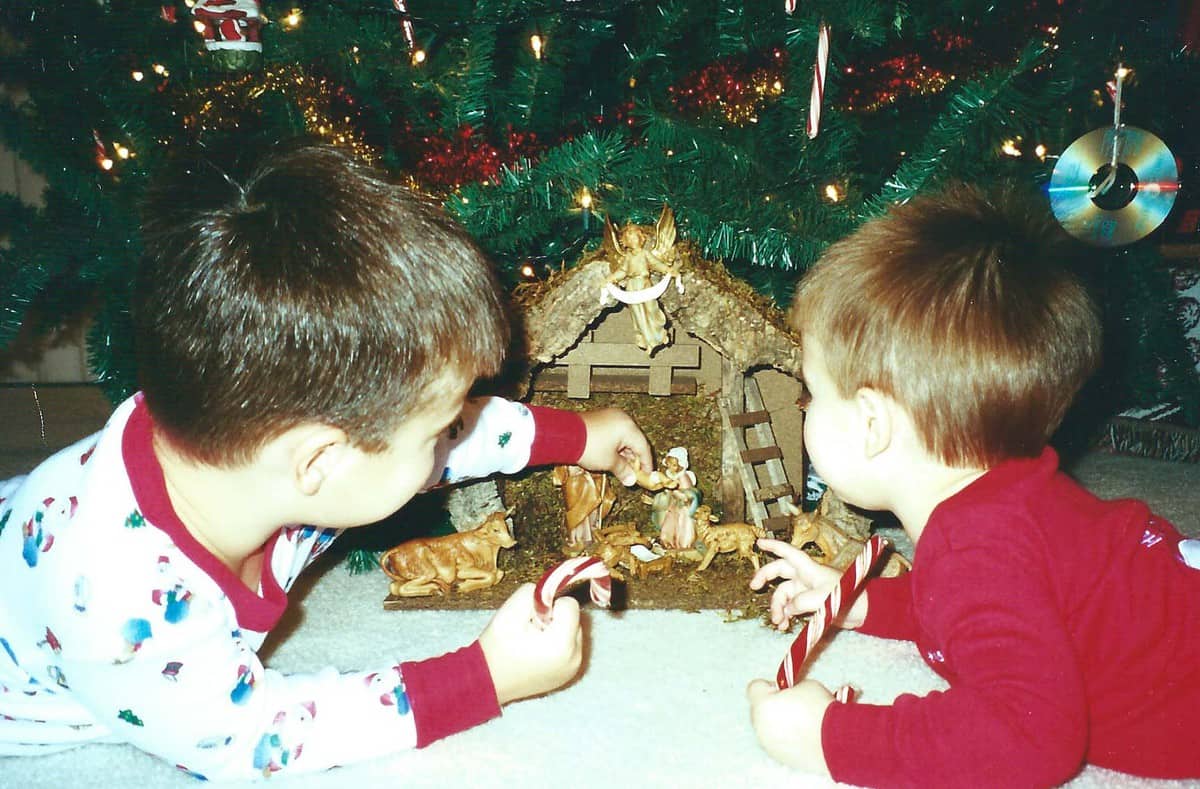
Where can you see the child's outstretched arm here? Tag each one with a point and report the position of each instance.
(614, 444)
(807, 583)
(498, 435)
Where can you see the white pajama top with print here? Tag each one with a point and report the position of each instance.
(117, 626)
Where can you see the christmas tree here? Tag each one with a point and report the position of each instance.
(771, 128)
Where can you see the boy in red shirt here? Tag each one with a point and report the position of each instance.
(942, 346)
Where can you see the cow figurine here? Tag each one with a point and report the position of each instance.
(434, 565)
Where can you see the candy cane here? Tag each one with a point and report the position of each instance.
(818, 86)
(562, 576)
(406, 23)
(814, 628)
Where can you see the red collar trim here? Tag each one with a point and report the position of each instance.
(1001, 477)
(258, 613)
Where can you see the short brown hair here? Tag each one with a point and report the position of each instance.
(959, 307)
(317, 290)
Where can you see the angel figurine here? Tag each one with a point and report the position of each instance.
(633, 257)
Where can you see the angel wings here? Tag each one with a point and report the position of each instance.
(634, 256)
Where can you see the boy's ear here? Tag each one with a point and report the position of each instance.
(317, 452)
(877, 420)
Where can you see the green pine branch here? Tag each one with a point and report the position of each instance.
(995, 100)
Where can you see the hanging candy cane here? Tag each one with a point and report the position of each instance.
(818, 86)
(566, 574)
(789, 7)
(814, 628)
(410, 35)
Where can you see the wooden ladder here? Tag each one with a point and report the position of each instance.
(764, 477)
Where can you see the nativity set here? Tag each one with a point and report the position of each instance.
(644, 316)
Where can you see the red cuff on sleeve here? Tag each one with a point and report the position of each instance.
(559, 436)
(889, 608)
(852, 754)
(450, 693)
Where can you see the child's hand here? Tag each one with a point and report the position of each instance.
(614, 442)
(808, 584)
(788, 722)
(525, 659)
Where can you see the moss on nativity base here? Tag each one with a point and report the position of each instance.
(680, 420)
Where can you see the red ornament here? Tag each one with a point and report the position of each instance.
(468, 156)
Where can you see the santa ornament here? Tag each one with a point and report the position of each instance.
(231, 31)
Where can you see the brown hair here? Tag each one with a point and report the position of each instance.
(957, 306)
(317, 290)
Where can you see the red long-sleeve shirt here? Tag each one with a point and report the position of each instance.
(1068, 630)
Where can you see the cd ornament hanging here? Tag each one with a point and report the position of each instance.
(1114, 186)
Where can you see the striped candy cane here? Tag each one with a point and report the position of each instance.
(562, 576)
(814, 628)
(406, 24)
(818, 85)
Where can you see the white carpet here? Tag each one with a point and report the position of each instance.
(659, 704)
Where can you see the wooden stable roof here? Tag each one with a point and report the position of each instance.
(744, 327)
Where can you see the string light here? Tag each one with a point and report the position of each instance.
(292, 20)
(138, 76)
(585, 203)
(537, 44)
(160, 70)
(527, 271)
(418, 57)
(1009, 148)
(833, 193)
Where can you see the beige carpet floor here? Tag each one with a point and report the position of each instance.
(659, 704)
